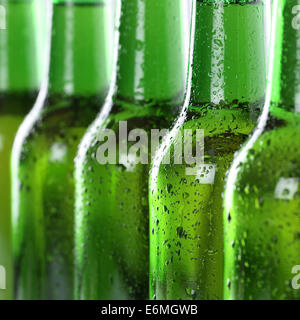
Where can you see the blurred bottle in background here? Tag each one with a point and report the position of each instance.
(112, 237)
(44, 150)
(22, 34)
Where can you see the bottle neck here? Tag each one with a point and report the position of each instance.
(286, 62)
(21, 45)
(151, 59)
(80, 55)
(229, 53)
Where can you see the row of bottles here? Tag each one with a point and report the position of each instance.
(98, 217)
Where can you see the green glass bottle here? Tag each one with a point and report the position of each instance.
(226, 91)
(46, 144)
(20, 76)
(112, 198)
(262, 197)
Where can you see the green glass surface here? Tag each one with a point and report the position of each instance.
(227, 91)
(45, 147)
(262, 198)
(20, 75)
(112, 200)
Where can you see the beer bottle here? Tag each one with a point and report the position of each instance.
(226, 91)
(21, 65)
(262, 197)
(112, 192)
(46, 145)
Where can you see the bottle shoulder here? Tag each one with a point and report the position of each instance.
(271, 162)
(221, 120)
(120, 115)
(17, 104)
(55, 114)
(55, 124)
(221, 132)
